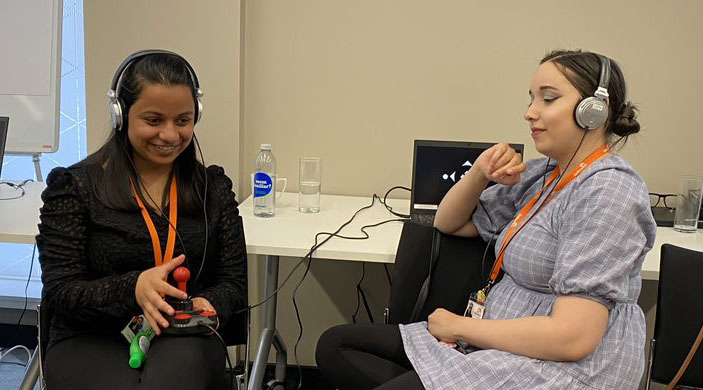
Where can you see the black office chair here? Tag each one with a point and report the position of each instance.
(456, 265)
(679, 318)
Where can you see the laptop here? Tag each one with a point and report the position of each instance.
(437, 166)
(4, 123)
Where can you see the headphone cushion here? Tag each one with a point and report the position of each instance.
(591, 113)
(116, 113)
(200, 110)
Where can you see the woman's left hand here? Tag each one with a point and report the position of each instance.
(441, 324)
(200, 303)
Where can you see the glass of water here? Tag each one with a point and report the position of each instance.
(688, 204)
(309, 184)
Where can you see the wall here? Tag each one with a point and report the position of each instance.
(209, 37)
(354, 82)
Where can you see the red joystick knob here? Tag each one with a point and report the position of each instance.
(181, 275)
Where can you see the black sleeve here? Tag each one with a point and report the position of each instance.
(228, 293)
(69, 288)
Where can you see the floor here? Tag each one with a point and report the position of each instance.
(12, 370)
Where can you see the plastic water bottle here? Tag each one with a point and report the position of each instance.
(264, 179)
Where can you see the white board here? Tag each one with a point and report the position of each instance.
(30, 73)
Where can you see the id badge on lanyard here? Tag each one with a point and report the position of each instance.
(475, 306)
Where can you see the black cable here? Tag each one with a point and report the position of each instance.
(359, 292)
(388, 275)
(389, 208)
(204, 201)
(224, 346)
(309, 256)
(314, 248)
(29, 276)
(158, 208)
(556, 183)
(19, 186)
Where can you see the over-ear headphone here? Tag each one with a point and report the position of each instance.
(592, 112)
(118, 112)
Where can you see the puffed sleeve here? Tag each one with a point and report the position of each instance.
(63, 236)
(228, 293)
(606, 229)
(500, 203)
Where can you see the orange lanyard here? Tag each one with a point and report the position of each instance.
(172, 218)
(519, 221)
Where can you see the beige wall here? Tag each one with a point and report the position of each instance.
(208, 37)
(354, 82)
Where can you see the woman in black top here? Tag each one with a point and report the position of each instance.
(99, 267)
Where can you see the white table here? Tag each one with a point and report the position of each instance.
(19, 217)
(18, 224)
(291, 233)
(667, 235)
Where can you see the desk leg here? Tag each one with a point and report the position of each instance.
(269, 335)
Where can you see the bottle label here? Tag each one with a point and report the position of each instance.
(262, 184)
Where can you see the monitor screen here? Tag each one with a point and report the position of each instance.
(438, 165)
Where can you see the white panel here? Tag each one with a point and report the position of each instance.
(30, 36)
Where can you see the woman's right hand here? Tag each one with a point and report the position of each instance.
(151, 289)
(501, 163)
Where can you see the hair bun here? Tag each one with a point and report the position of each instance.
(625, 120)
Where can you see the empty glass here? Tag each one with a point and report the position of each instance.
(688, 204)
(309, 184)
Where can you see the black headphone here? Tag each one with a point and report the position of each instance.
(592, 112)
(118, 112)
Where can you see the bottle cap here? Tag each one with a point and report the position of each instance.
(265, 146)
(136, 359)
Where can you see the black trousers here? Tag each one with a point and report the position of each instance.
(359, 357)
(101, 362)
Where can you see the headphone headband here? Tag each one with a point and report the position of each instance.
(117, 110)
(144, 53)
(604, 76)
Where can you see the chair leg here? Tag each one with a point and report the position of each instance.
(650, 361)
(32, 373)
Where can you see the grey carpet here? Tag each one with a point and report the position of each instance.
(12, 370)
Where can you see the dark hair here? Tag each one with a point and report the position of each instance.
(582, 70)
(111, 167)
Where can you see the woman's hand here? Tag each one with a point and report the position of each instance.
(501, 163)
(441, 324)
(202, 304)
(151, 289)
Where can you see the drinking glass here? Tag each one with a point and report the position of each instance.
(688, 204)
(309, 184)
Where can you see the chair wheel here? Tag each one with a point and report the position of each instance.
(275, 384)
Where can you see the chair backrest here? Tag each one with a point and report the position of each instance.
(679, 315)
(458, 272)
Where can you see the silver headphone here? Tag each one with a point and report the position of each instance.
(592, 112)
(118, 112)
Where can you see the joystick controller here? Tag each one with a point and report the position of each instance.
(185, 320)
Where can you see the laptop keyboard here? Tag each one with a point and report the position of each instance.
(423, 219)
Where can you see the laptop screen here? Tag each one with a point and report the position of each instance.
(4, 122)
(437, 166)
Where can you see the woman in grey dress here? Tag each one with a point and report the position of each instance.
(578, 226)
